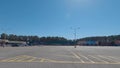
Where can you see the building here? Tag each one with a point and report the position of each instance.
(87, 42)
(4, 43)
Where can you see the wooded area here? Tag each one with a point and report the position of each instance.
(35, 40)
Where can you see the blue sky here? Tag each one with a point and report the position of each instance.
(56, 17)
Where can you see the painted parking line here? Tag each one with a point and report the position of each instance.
(98, 59)
(107, 59)
(78, 57)
(115, 58)
(87, 58)
(32, 59)
(17, 58)
(83, 59)
(68, 56)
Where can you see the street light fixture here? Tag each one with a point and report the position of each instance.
(75, 35)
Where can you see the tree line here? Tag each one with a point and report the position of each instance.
(101, 38)
(35, 40)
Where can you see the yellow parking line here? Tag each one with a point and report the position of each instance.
(42, 60)
(9, 59)
(67, 62)
(67, 56)
(32, 59)
(25, 58)
(14, 58)
(49, 60)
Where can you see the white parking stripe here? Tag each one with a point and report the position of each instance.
(114, 58)
(78, 57)
(87, 58)
(98, 59)
(107, 58)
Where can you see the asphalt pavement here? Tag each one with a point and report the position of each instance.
(60, 57)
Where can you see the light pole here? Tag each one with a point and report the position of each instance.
(75, 35)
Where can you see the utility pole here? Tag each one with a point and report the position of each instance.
(75, 35)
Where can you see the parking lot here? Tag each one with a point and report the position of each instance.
(60, 57)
